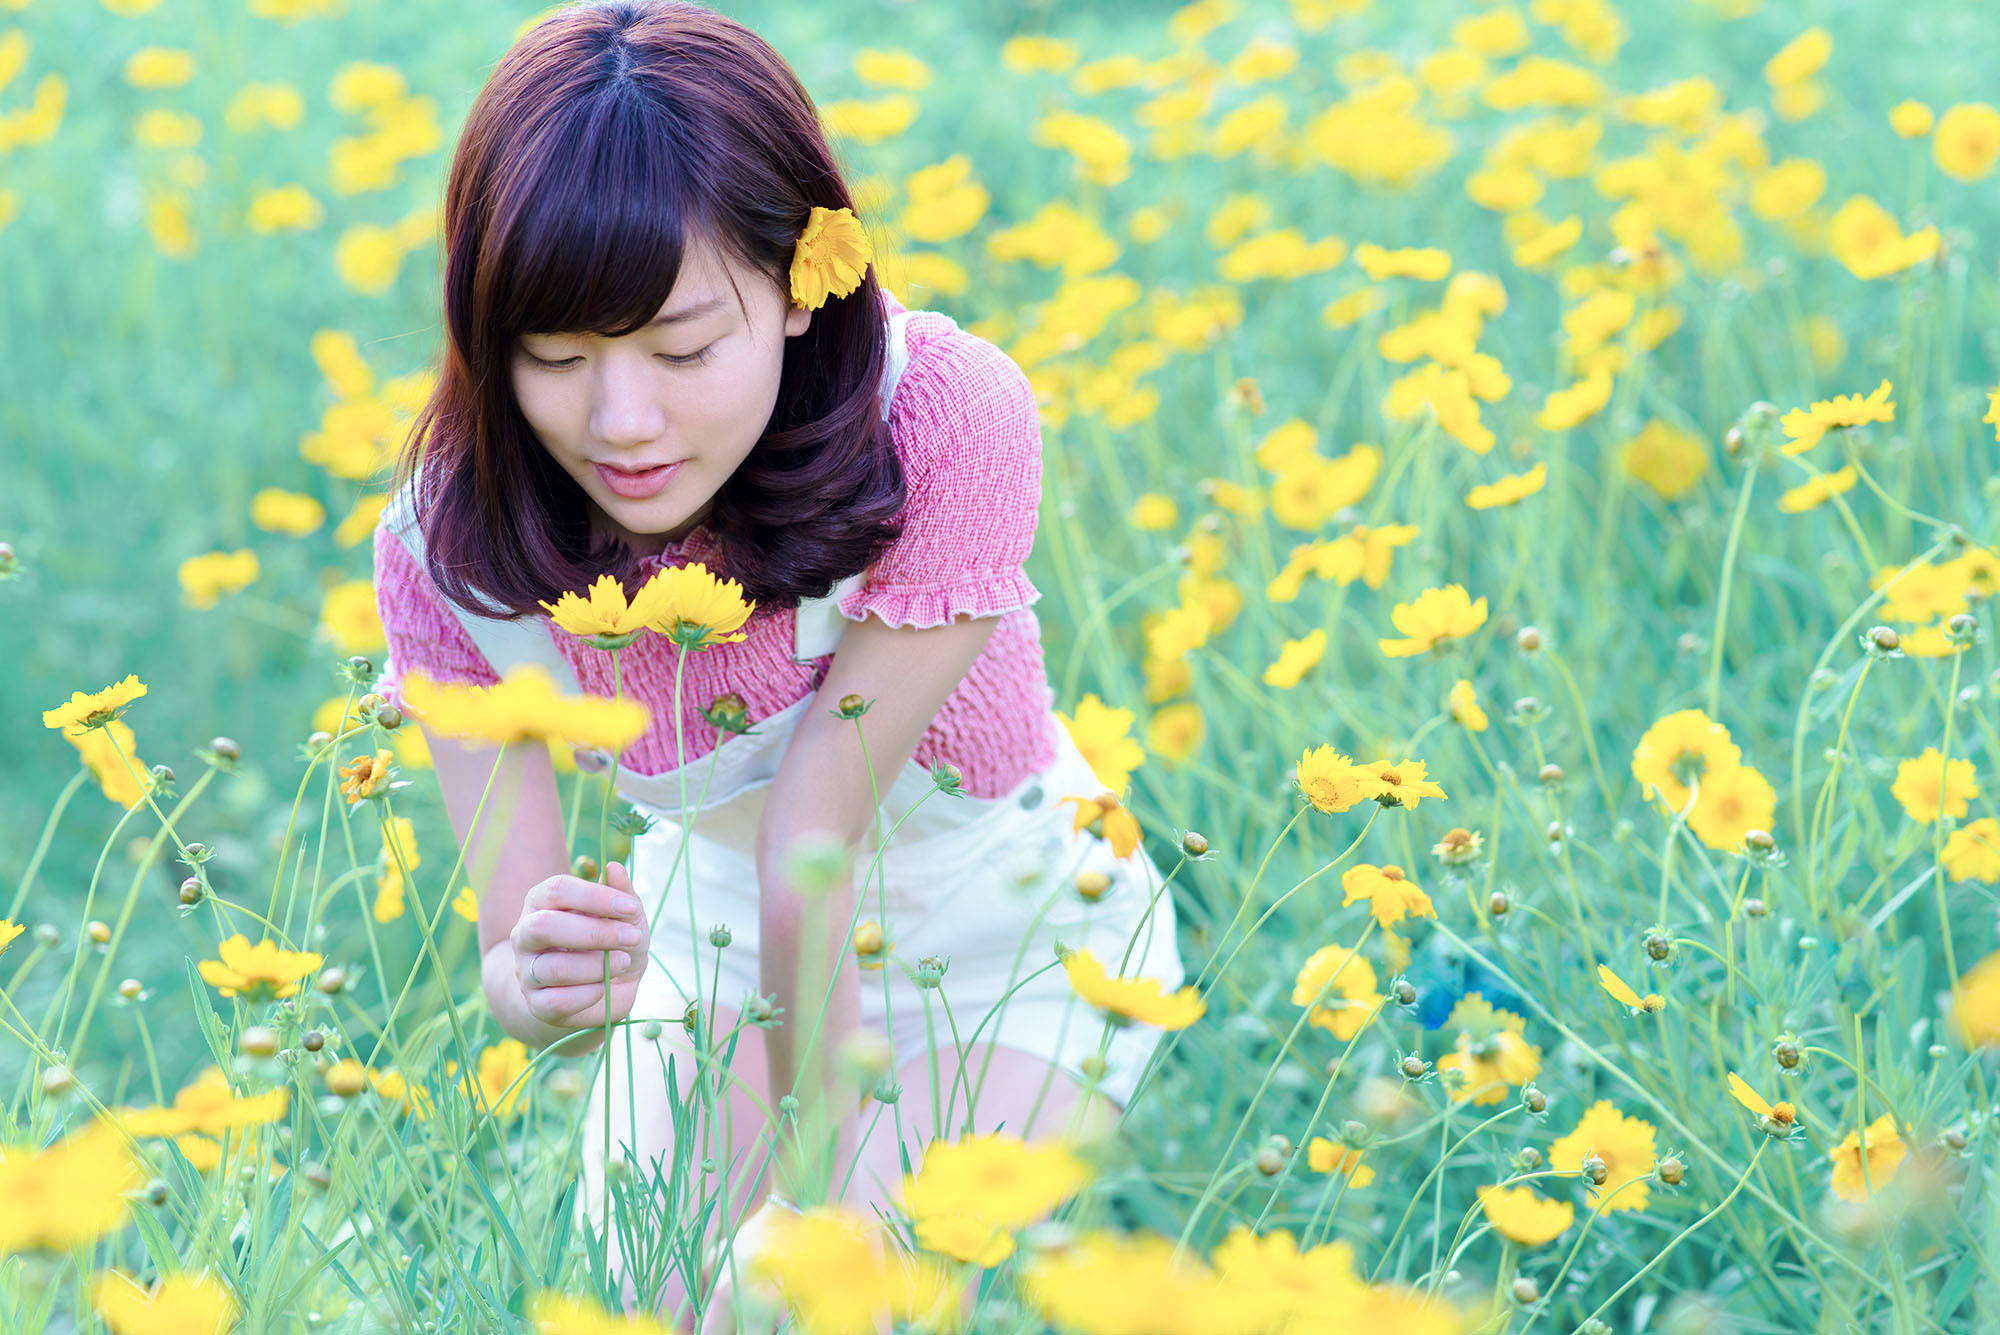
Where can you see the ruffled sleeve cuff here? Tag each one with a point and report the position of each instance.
(911, 605)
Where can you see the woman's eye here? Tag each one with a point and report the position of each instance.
(692, 359)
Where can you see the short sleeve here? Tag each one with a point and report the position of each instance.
(968, 432)
(422, 630)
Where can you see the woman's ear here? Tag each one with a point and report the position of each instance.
(798, 319)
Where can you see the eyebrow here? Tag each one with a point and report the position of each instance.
(685, 314)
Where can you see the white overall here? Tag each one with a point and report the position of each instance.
(986, 884)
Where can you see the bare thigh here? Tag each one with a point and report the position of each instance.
(736, 1136)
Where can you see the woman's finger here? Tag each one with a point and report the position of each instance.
(555, 929)
(565, 968)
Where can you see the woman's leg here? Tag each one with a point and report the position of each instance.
(735, 1135)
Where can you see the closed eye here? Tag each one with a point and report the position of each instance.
(697, 358)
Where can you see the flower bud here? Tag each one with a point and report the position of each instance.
(1884, 639)
(1754, 907)
(1938, 1052)
(1405, 992)
(566, 1083)
(1671, 1170)
(1412, 1067)
(1595, 1170)
(98, 932)
(1759, 841)
(312, 1040)
(1528, 639)
(1497, 904)
(319, 741)
(259, 1041)
(887, 1092)
(1269, 1162)
(47, 935)
(851, 707)
(388, 718)
(156, 1192)
(57, 1080)
(1092, 885)
(358, 666)
(1658, 947)
(1786, 1054)
(584, 867)
(930, 971)
(192, 892)
(1529, 1158)
(1954, 1139)
(1533, 1099)
(1525, 1291)
(1193, 844)
(1732, 441)
(691, 1019)
(318, 1174)
(1551, 773)
(728, 712)
(868, 938)
(332, 981)
(720, 936)
(651, 1031)
(131, 989)
(1094, 1067)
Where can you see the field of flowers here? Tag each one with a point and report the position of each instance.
(1545, 639)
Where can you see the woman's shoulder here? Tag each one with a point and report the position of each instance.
(960, 397)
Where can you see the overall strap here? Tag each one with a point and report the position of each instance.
(507, 643)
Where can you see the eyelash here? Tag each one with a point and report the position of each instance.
(700, 358)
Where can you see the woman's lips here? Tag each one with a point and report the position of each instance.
(637, 486)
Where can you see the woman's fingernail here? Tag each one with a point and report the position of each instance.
(630, 936)
(624, 904)
(620, 961)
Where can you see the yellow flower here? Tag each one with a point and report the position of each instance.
(349, 618)
(1428, 264)
(1819, 490)
(1352, 1002)
(1621, 992)
(604, 617)
(1576, 403)
(1731, 804)
(1678, 749)
(1294, 658)
(94, 711)
(1132, 999)
(1542, 247)
(524, 705)
(1866, 238)
(1779, 1117)
(1507, 490)
(1402, 784)
(260, 972)
(1391, 895)
(1972, 853)
(831, 257)
(1519, 1214)
(1102, 735)
(557, 1314)
(1866, 1160)
(499, 1084)
(466, 905)
(965, 1237)
(1976, 1008)
(1153, 513)
(1625, 1144)
(212, 575)
(71, 1193)
(1463, 706)
(1112, 820)
(1437, 617)
(1806, 426)
(891, 69)
(1107, 1282)
(208, 1106)
(176, 1305)
(995, 1176)
(1324, 1156)
(365, 776)
(1800, 58)
(835, 1276)
(1665, 458)
(1489, 1051)
(159, 67)
(1333, 782)
(286, 512)
(700, 608)
(1175, 731)
(1967, 141)
(1911, 119)
(8, 931)
(1929, 786)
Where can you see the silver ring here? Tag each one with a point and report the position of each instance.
(533, 977)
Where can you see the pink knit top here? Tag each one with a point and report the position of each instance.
(964, 423)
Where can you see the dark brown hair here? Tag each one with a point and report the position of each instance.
(611, 137)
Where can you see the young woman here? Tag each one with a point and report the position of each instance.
(662, 349)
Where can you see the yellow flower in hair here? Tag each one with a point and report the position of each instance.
(831, 257)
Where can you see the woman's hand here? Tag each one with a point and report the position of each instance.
(566, 926)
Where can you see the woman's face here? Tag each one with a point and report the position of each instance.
(652, 424)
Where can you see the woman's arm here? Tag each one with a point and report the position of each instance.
(823, 788)
(529, 904)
